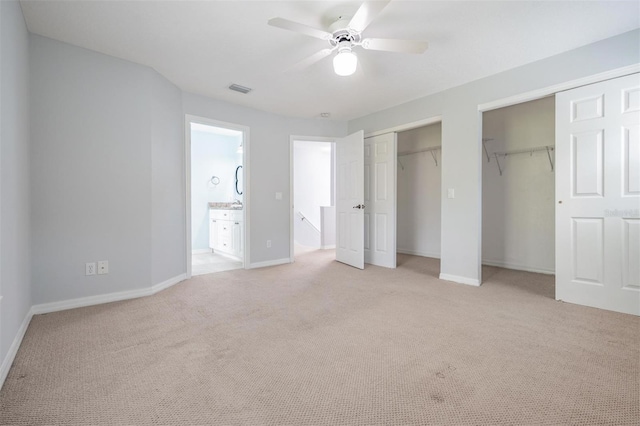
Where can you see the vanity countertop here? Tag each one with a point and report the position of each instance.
(225, 206)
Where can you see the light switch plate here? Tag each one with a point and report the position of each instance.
(451, 193)
(278, 195)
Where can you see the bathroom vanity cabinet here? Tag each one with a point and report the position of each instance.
(225, 232)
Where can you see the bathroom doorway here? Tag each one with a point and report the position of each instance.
(216, 201)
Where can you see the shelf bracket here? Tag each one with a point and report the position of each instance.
(549, 149)
(435, 159)
(401, 166)
(498, 163)
(484, 147)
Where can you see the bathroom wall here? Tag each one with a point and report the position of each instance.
(212, 154)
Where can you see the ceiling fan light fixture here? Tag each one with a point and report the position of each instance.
(345, 62)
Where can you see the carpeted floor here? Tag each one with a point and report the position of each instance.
(320, 343)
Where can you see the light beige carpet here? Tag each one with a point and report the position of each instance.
(320, 343)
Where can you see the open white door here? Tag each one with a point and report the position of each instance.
(350, 200)
(380, 200)
(598, 195)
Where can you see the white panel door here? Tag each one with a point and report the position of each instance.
(380, 200)
(350, 200)
(598, 195)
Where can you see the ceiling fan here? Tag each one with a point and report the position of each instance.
(345, 34)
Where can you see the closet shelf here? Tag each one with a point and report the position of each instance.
(530, 151)
(431, 149)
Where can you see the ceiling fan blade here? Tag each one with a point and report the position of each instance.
(311, 59)
(366, 14)
(391, 45)
(285, 24)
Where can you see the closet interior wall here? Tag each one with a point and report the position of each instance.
(518, 206)
(419, 191)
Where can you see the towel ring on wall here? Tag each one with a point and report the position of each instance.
(215, 180)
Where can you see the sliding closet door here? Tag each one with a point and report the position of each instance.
(598, 195)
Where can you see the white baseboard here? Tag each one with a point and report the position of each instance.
(461, 280)
(13, 349)
(63, 305)
(81, 302)
(418, 253)
(275, 262)
(331, 246)
(517, 267)
(168, 283)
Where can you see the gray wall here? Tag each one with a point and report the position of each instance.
(106, 173)
(461, 130)
(167, 182)
(269, 166)
(15, 275)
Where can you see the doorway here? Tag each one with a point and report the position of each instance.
(419, 191)
(518, 187)
(216, 201)
(313, 218)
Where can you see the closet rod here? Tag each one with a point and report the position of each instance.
(530, 151)
(431, 149)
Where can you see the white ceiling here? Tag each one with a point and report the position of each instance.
(204, 46)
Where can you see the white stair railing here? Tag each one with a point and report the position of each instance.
(305, 219)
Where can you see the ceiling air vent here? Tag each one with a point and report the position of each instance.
(239, 88)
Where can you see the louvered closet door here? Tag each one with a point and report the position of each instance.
(598, 195)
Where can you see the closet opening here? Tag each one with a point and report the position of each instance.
(313, 215)
(419, 194)
(518, 188)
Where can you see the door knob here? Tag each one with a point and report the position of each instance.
(359, 206)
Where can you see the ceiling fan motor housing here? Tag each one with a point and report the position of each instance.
(341, 32)
(342, 36)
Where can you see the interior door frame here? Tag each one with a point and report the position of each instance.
(246, 261)
(430, 121)
(292, 139)
(532, 96)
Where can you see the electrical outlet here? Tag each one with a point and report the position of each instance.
(90, 268)
(103, 267)
(268, 243)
